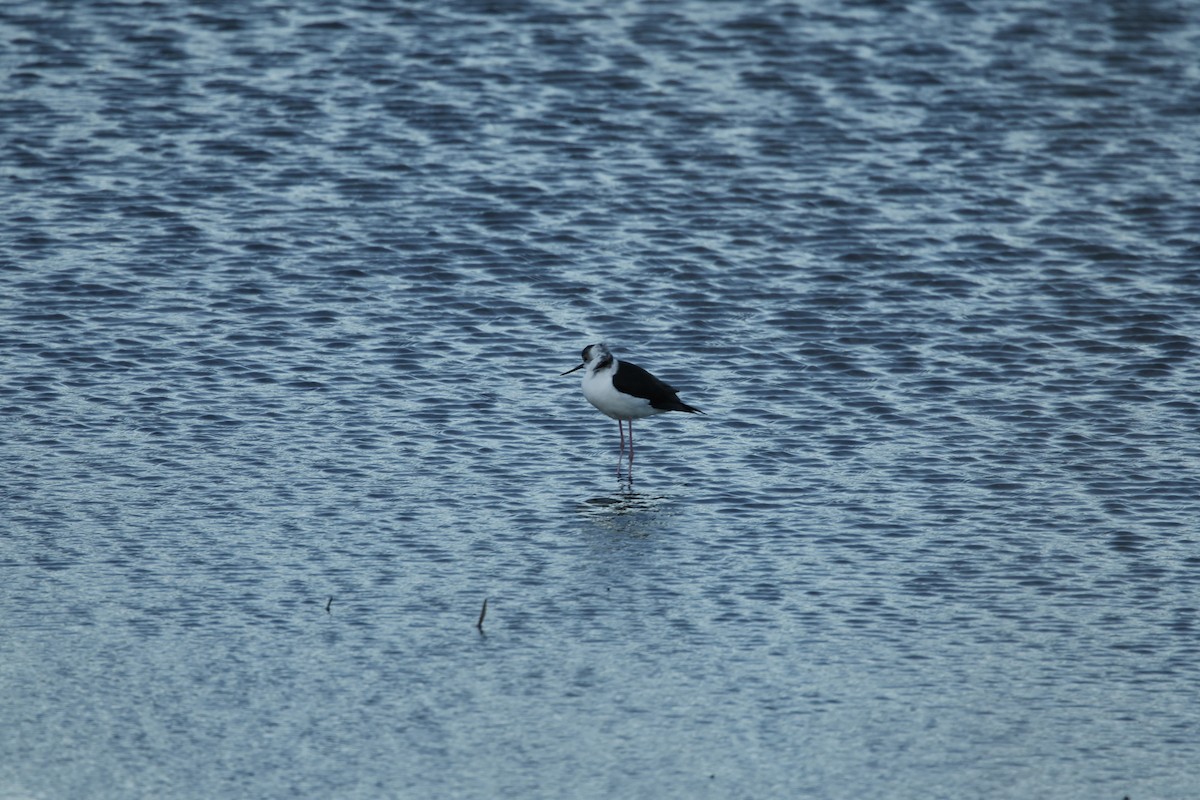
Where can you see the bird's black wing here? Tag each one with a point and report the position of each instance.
(632, 379)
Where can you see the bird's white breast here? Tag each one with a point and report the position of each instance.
(599, 391)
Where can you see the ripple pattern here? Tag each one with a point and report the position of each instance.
(285, 290)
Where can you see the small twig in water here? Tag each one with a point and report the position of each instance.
(482, 614)
(328, 603)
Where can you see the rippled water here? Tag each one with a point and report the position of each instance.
(285, 292)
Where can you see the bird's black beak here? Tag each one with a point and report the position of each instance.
(568, 372)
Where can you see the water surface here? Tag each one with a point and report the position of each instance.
(285, 292)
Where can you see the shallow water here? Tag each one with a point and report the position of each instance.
(285, 292)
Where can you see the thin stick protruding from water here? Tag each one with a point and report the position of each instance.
(482, 614)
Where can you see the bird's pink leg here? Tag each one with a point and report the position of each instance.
(621, 432)
(631, 443)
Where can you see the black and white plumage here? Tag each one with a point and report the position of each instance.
(624, 391)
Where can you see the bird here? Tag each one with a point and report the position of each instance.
(624, 391)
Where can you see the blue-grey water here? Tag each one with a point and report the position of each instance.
(285, 292)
